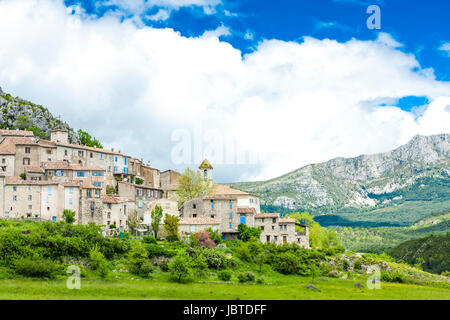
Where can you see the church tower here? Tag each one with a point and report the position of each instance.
(206, 169)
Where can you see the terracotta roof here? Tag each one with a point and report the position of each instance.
(246, 210)
(221, 192)
(267, 215)
(8, 145)
(171, 187)
(33, 169)
(205, 165)
(19, 180)
(56, 165)
(46, 143)
(288, 220)
(198, 221)
(17, 133)
(111, 199)
(64, 165)
(79, 146)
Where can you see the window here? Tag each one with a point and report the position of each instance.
(98, 173)
(27, 150)
(140, 204)
(231, 225)
(109, 168)
(14, 188)
(3, 160)
(80, 153)
(15, 198)
(262, 228)
(274, 220)
(231, 205)
(49, 190)
(71, 190)
(30, 197)
(192, 228)
(156, 194)
(97, 184)
(285, 226)
(212, 205)
(213, 216)
(194, 206)
(109, 206)
(231, 214)
(30, 207)
(58, 173)
(139, 192)
(101, 156)
(70, 201)
(149, 193)
(92, 206)
(115, 159)
(273, 227)
(194, 215)
(49, 151)
(91, 155)
(88, 193)
(54, 219)
(125, 160)
(109, 215)
(281, 227)
(65, 152)
(97, 193)
(81, 174)
(26, 161)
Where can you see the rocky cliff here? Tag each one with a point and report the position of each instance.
(17, 113)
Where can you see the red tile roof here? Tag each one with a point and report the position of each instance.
(111, 199)
(288, 220)
(8, 145)
(34, 169)
(267, 215)
(246, 210)
(23, 133)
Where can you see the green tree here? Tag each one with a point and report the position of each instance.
(247, 233)
(171, 227)
(133, 222)
(23, 122)
(68, 216)
(191, 184)
(156, 216)
(87, 140)
(180, 267)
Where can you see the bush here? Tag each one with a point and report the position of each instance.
(345, 265)
(180, 268)
(40, 268)
(98, 262)
(260, 280)
(246, 277)
(155, 250)
(138, 263)
(149, 239)
(357, 265)
(224, 275)
(286, 263)
(164, 265)
(215, 258)
(394, 276)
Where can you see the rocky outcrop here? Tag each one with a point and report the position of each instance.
(17, 113)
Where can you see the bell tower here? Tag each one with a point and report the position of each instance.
(206, 169)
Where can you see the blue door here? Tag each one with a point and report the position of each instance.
(243, 219)
(54, 219)
(223, 237)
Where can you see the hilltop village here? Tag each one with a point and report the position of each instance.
(41, 178)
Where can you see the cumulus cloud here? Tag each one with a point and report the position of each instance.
(146, 90)
(446, 48)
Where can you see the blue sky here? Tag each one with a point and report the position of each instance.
(260, 88)
(420, 26)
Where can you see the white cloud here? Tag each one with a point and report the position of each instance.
(446, 48)
(218, 32)
(294, 103)
(161, 15)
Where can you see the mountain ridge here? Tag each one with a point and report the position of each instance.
(363, 182)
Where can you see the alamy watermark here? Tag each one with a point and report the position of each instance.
(373, 282)
(374, 20)
(192, 146)
(74, 280)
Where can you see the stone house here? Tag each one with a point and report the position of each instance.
(116, 211)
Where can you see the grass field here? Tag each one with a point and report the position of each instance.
(284, 288)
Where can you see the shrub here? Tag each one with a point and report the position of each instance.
(138, 261)
(394, 276)
(155, 250)
(149, 239)
(215, 258)
(164, 265)
(98, 262)
(286, 263)
(41, 268)
(224, 275)
(180, 268)
(357, 265)
(260, 280)
(246, 277)
(345, 265)
(69, 216)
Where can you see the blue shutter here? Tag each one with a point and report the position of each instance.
(243, 220)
